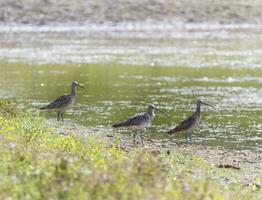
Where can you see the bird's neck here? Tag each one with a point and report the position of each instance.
(73, 90)
(151, 112)
(198, 109)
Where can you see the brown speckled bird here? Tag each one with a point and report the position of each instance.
(190, 124)
(64, 102)
(139, 122)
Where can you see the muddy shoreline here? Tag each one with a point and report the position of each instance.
(43, 12)
(246, 163)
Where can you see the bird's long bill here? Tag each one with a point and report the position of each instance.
(81, 86)
(208, 105)
(161, 111)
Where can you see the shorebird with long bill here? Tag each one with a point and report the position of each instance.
(61, 104)
(140, 122)
(190, 124)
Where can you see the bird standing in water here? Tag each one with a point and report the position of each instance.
(190, 124)
(61, 104)
(140, 122)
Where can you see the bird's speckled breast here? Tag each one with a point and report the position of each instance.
(70, 103)
(195, 125)
(144, 123)
(147, 122)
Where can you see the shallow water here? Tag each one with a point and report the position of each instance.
(124, 69)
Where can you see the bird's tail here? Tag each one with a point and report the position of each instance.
(171, 131)
(117, 126)
(43, 108)
(121, 124)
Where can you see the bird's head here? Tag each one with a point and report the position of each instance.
(151, 108)
(200, 102)
(76, 84)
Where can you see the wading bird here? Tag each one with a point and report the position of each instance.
(140, 122)
(190, 124)
(64, 102)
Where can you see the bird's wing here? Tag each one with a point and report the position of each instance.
(58, 103)
(133, 121)
(183, 125)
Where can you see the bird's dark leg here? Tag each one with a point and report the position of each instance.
(190, 137)
(62, 116)
(134, 139)
(141, 137)
(58, 115)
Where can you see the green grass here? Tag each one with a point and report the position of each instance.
(36, 163)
